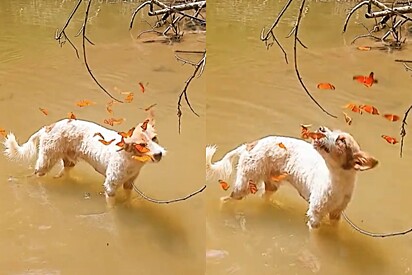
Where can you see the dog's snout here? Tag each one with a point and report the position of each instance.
(157, 156)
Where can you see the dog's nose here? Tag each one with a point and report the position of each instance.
(157, 156)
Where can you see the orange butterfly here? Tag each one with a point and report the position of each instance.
(144, 125)
(225, 186)
(141, 148)
(281, 145)
(84, 103)
(71, 115)
(391, 117)
(366, 80)
(128, 134)
(305, 130)
(369, 109)
(325, 86)
(114, 121)
(121, 144)
(389, 139)
(353, 107)
(2, 132)
(106, 142)
(141, 87)
(252, 187)
(280, 177)
(144, 158)
(129, 97)
(109, 106)
(99, 135)
(348, 119)
(44, 111)
(364, 48)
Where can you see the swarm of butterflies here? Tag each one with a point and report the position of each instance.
(139, 148)
(128, 98)
(367, 81)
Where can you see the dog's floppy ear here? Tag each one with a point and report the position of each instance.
(363, 161)
(151, 117)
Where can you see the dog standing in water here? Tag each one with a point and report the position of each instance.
(324, 172)
(71, 140)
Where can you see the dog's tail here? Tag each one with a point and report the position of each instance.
(223, 168)
(25, 151)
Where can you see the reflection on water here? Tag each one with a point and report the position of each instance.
(60, 226)
(253, 93)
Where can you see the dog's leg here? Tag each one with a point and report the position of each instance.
(114, 178)
(335, 215)
(315, 214)
(44, 163)
(128, 187)
(67, 167)
(270, 188)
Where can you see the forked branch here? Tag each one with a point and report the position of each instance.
(269, 38)
(198, 71)
(61, 37)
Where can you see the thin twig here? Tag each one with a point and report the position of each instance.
(167, 201)
(62, 33)
(270, 34)
(372, 234)
(137, 10)
(403, 130)
(295, 58)
(199, 67)
(408, 68)
(355, 8)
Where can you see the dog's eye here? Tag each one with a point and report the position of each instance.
(341, 139)
(322, 129)
(155, 139)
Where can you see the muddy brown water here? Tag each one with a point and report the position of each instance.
(252, 93)
(51, 226)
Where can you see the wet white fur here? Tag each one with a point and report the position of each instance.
(326, 186)
(73, 140)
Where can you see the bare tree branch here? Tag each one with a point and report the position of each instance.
(61, 35)
(199, 68)
(269, 38)
(84, 39)
(403, 130)
(295, 58)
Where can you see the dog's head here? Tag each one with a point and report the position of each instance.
(145, 137)
(340, 149)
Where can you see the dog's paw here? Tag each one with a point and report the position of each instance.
(313, 224)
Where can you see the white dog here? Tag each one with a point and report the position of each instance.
(118, 158)
(324, 172)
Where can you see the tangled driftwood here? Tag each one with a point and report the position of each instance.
(391, 17)
(169, 18)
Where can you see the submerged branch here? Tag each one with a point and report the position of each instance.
(372, 234)
(168, 201)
